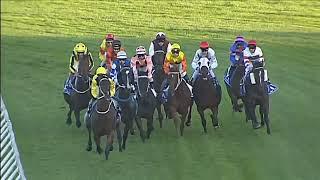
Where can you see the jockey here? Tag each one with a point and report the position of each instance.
(236, 53)
(105, 45)
(111, 54)
(100, 72)
(78, 49)
(118, 64)
(160, 43)
(176, 56)
(252, 53)
(204, 51)
(142, 62)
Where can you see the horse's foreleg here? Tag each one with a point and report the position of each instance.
(203, 120)
(89, 146)
(97, 141)
(119, 136)
(251, 109)
(149, 126)
(160, 116)
(261, 111)
(77, 116)
(188, 123)
(266, 117)
(214, 117)
(125, 136)
(109, 145)
(176, 121)
(183, 119)
(139, 125)
(69, 122)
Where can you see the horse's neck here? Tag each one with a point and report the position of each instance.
(81, 84)
(124, 93)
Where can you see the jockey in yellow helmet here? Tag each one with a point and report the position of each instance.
(78, 49)
(101, 71)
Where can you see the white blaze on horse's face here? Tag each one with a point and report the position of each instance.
(127, 72)
(203, 62)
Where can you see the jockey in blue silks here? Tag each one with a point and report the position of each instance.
(121, 61)
(236, 54)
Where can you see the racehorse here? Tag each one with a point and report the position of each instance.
(179, 98)
(81, 95)
(103, 120)
(158, 78)
(127, 102)
(205, 94)
(147, 101)
(257, 94)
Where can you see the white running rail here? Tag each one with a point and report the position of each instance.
(11, 167)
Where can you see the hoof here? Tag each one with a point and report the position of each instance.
(123, 147)
(89, 148)
(216, 126)
(111, 148)
(256, 126)
(78, 124)
(99, 150)
(188, 123)
(132, 131)
(68, 122)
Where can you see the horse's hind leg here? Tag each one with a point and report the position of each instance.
(77, 116)
(183, 119)
(188, 122)
(214, 117)
(109, 145)
(119, 136)
(139, 125)
(203, 120)
(266, 117)
(149, 126)
(97, 141)
(176, 122)
(251, 110)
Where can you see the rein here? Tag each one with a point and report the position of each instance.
(179, 79)
(104, 97)
(82, 92)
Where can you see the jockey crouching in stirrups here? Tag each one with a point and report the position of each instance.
(207, 52)
(79, 48)
(100, 72)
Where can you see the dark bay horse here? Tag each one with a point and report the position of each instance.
(205, 94)
(179, 98)
(158, 77)
(147, 102)
(103, 120)
(81, 95)
(257, 94)
(127, 102)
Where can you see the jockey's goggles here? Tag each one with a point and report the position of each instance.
(204, 49)
(116, 48)
(109, 42)
(252, 47)
(140, 55)
(175, 51)
(162, 40)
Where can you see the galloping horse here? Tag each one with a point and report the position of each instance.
(103, 119)
(147, 101)
(179, 98)
(127, 102)
(205, 94)
(81, 95)
(257, 94)
(158, 77)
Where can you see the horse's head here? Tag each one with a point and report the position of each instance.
(258, 75)
(236, 78)
(125, 77)
(158, 58)
(143, 83)
(84, 64)
(203, 64)
(104, 87)
(82, 82)
(174, 78)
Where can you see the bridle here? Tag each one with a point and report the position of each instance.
(104, 97)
